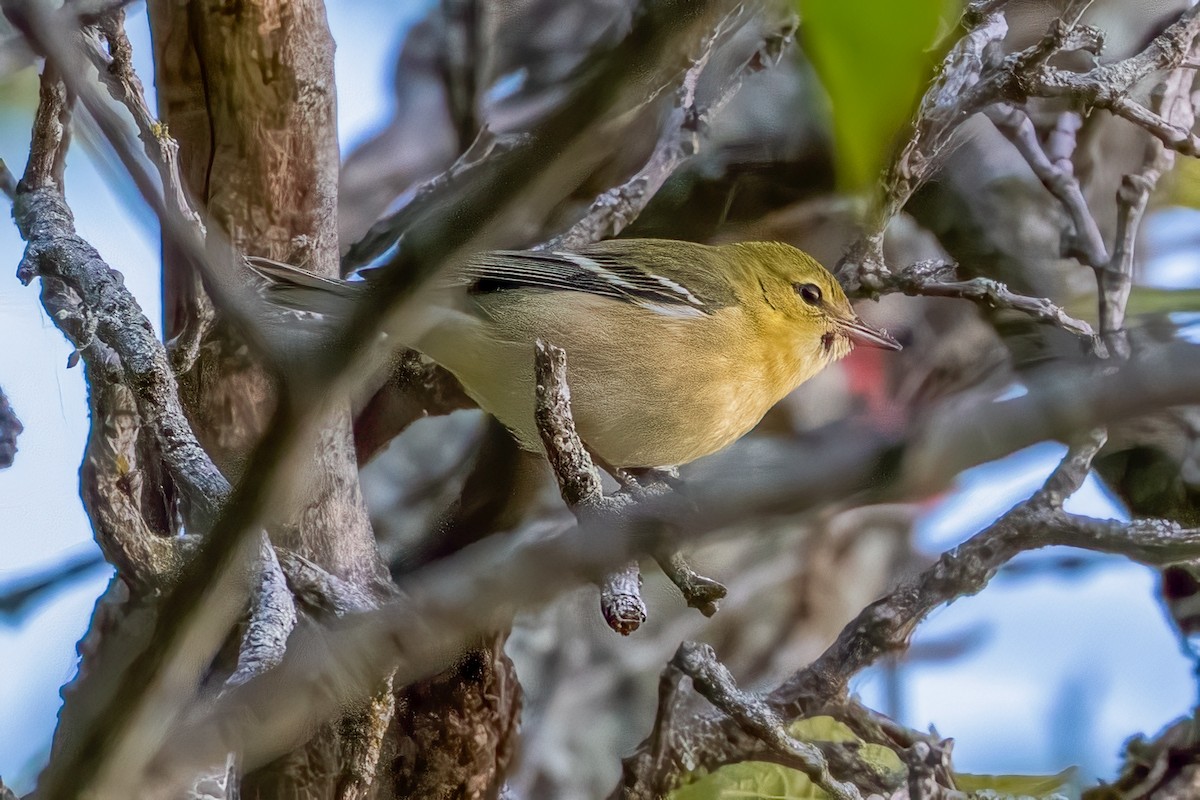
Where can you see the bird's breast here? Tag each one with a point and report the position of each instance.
(646, 391)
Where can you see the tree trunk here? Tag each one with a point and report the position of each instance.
(248, 91)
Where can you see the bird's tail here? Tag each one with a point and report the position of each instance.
(296, 289)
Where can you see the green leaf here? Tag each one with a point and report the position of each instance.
(1064, 784)
(872, 57)
(1182, 185)
(1143, 300)
(751, 779)
(761, 780)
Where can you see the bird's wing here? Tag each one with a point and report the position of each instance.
(632, 271)
(301, 290)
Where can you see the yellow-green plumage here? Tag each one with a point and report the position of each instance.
(674, 349)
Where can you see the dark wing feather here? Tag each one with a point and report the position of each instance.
(594, 272)
(301, 290)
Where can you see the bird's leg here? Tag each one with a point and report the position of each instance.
(625, 477)
(701, 593)
(647, 477)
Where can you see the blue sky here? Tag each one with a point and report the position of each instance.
(1096, 638)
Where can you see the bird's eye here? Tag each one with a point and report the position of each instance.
(809, 293)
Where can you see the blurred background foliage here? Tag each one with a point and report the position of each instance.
(846, 43)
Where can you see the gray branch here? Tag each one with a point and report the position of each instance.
(579, 483)
(936, 279)
(681, 137)
(1057, 174)
(578, 478)
(10, 429)
(967, 83)
(886, 625)
(754, 716)
(55, 251)
(272, 618)
(1114, 279)
(621, 600)
(701, 593)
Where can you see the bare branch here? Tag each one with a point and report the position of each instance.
(10, 429)
(578, 478)
(116, 71)
(1114, 279)
(701, 593)
(886, 625)
(681, 136)
(936, 279)
(712, 680)
(55, 251)
(1057, 174)
(947, 102)
(272, 617)
(621, 600)
(1071, 472)
(321, 591)
(579, 483)
(967, 84)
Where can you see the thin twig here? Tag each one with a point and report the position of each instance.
(117, 73)
(968, 82)
(936, 279)
(1114, 279)
(579, 483)
(701, 593)
(680, 139)
(714, 682)
(578, 478)
(1056, 173)
(950, 99)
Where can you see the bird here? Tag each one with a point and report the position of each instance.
(674, 349)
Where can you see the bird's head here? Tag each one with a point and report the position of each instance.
(799, 300)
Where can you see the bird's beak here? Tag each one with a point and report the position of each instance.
(862, 333)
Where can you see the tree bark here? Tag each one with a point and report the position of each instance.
(248, 91)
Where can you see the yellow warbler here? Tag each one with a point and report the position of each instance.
(674, 349)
